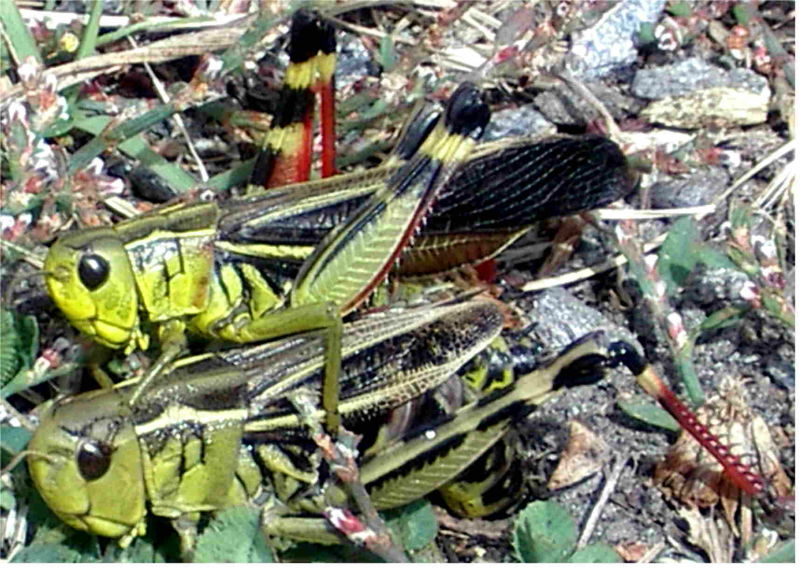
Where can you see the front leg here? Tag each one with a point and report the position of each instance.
(186, 527)
(172, 336)
(320, 316)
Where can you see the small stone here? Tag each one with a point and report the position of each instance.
(699, 187)
(523, 121)
(609, 44)
(561, 318)
(718, 106)
(693, 75)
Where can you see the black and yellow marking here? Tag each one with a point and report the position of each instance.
(286, 154)
(489, 487)
(436, 456)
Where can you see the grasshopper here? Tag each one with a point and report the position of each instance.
(223, 270)
(215, 431)
(96, 472)
(168, 263)
(221, 429)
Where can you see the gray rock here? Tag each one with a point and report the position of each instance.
(699, 187)
(563, 106)
(609, 44)
(561, 318)
(693, 75)
(781, 371)
(523, 121)
(707, 287)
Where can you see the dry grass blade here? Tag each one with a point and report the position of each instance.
(196, 43)
(162, 94)
(780, 185)
(591, 271)
(640, 214)
(370, 32)
(110, 21)
(771, 158)
(608, 489)
(34, 260)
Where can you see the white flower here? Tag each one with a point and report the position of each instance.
(18, 112)
(749, 291)
(28, 69)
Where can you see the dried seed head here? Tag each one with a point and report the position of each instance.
(692, 476)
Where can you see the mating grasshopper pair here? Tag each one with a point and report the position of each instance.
(195, 437)
(229, 271)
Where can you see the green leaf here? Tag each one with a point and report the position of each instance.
(142, 550)
(13, 440)
(544, 532)
(743, 13)
(17, 32)
(49, 553)
(678, 255)
(679, 9)
(596, 553)
(310, 552)
(723, 317)
(649, 414)
(19, 345)
(774, 305)
(177, 179)
(28, 335)
(712, 257)
(647, 33)
(237, 175)
(415, 524)
(10, 362)
(388, 54)
(119, 133)
(740, 215)
(89, 39)
(234, 536)
(685, 366)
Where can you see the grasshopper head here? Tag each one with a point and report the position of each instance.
(91, 280)
(85, 461)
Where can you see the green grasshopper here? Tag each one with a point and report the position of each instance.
(251, 269)
(97, 470)
(221, 429)
(167, 265)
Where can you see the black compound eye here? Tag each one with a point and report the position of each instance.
(94, 459)
(93, 270)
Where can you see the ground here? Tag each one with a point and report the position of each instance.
(699, 95)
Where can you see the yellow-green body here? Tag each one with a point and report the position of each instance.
(191, 443)
(195, 266)
(201, 439)
(160, 269)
